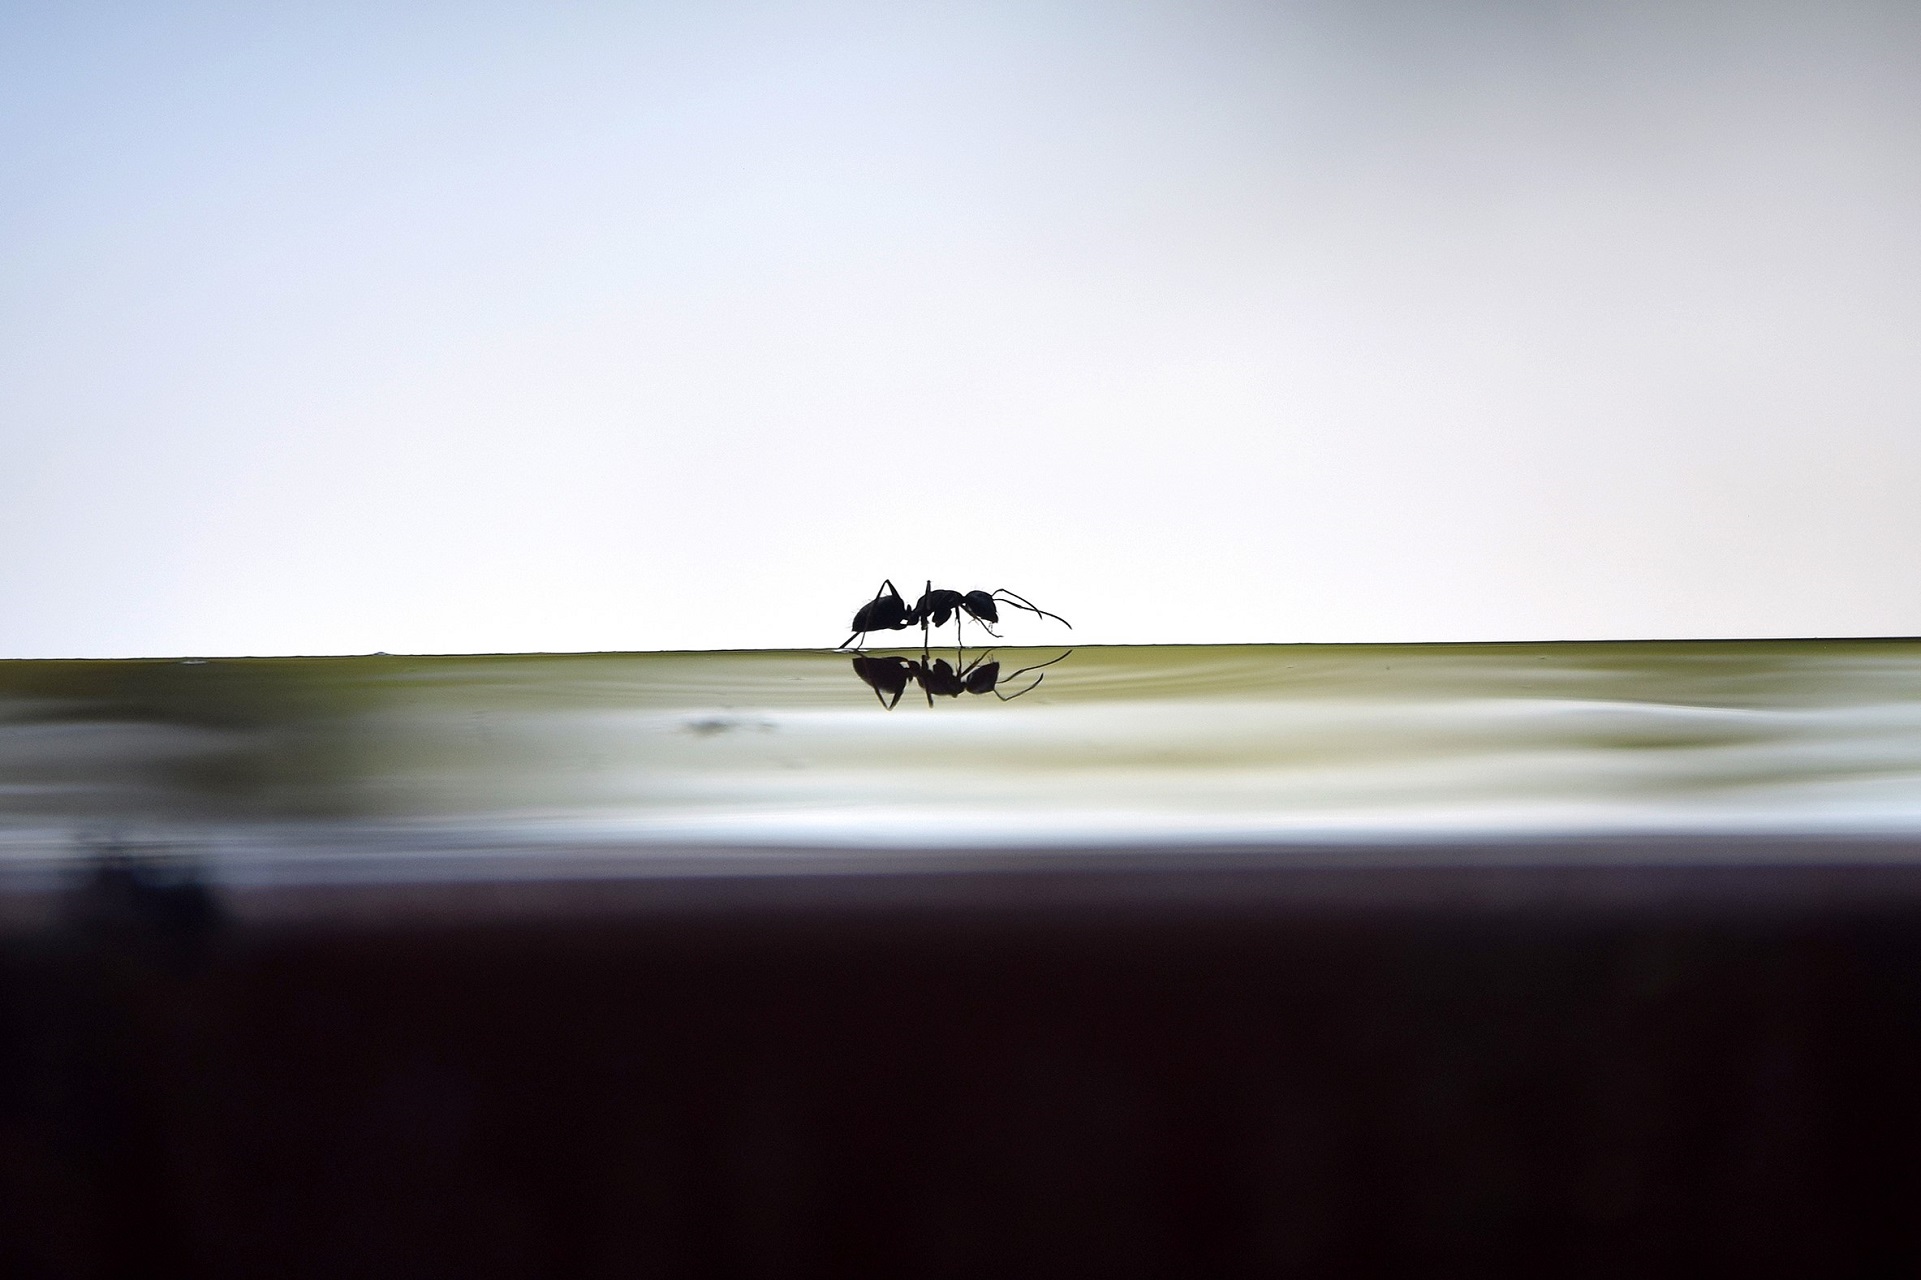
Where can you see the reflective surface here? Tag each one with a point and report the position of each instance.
(1171, 746)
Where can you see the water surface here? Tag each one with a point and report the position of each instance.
(1268, 745)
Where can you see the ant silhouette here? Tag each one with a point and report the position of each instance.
(889, 677)
(888, 611)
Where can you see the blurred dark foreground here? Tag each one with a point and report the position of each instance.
(1113, 1066)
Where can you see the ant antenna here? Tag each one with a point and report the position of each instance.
(1022, 602)
(1009, 697)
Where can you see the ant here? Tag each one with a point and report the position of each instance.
(888, 611)
(889, 677)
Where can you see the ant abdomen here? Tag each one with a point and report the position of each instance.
(885, 612)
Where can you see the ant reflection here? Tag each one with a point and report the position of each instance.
(889, 677)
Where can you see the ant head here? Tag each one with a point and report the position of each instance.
(981, 605)
(982, 678)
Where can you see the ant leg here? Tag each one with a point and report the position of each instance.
(843, 644)
(924, 633)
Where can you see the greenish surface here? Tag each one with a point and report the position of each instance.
(1119, 744)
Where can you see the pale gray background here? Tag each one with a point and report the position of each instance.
(576, 326)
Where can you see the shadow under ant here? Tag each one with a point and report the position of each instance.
(889, 677)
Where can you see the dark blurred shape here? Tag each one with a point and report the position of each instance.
(1185, 1069)
(156, 902)
(95, 1011)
